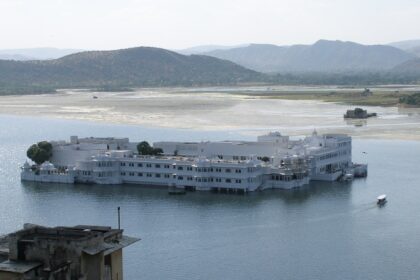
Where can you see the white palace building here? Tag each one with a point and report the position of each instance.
(273, 161)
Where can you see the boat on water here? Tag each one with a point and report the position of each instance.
(381, 200)
(347, 177)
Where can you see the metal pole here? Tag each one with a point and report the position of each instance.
(119, 218)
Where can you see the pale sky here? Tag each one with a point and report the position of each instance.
(176, 24)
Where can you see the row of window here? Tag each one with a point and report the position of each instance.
(343, 144)
(188, 178)
(233, 157)
(188, 168)
(239, 157)
(328, 156)
(286, 178)
(105, 163)
(148, 165)
(105, 174)
(219, 180)
(330, 168)
(140, 174)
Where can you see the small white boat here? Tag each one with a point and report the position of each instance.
(381, 200)
(348, 177)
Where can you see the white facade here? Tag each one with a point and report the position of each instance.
(66, 154)
(274, 161)
(47, 173)
(328, 155)
(187, 172)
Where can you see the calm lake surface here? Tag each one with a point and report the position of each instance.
(323, 231)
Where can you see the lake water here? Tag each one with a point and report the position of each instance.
(323, 231)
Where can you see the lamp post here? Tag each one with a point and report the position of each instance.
(119, 217)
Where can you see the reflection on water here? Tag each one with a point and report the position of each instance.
(152, 193)
(409, 111)
(322, 231)
(356, 122)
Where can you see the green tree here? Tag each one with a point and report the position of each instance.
(40, 152)
(44, 145)
(157, 151)
(144, 148)
(265, 159)
(413, 99)
(32, 151)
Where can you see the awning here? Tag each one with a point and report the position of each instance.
(110, 247)
(18, 266)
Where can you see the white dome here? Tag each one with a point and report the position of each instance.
(47, 166)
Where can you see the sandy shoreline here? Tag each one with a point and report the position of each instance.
(213, 110)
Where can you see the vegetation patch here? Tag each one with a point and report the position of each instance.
(412, 99)
(40, 152)
(376, 98)
(144, 148)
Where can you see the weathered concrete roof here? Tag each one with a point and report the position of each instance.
(18, 266)
(123, 242)
(77, 233)
(93, 250)
(110, 247)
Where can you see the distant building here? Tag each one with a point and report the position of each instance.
(63, 253)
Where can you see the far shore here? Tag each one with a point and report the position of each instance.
(253, 110)
(377, 95)
(380, 95)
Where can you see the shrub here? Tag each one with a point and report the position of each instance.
(144, 148)
(40, 152)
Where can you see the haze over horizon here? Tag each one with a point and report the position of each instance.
(106, 24)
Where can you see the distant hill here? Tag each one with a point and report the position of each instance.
(323, 56)
(415, 51)
(35, 53)
(143, 66)
(15, 57)
(409, 67)
(207, 48)
(410, 46)
(406, 45)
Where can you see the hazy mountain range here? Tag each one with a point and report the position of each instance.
(416, 51)
(410, 46)
(207, 48)
(324, 62)
(35, 53)
(406, 45)
(323, 56)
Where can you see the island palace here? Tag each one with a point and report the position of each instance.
(273, 161)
